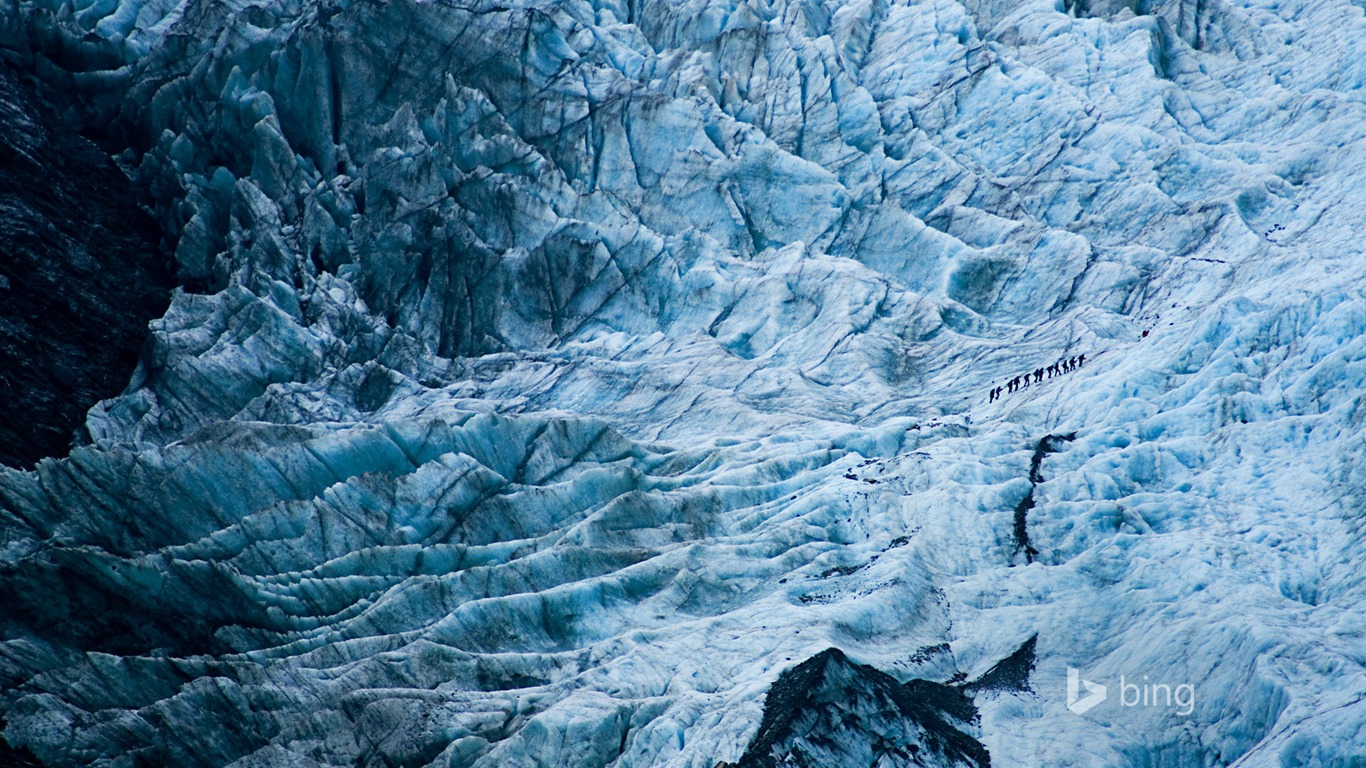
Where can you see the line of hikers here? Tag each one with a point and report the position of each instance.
(1037, 375)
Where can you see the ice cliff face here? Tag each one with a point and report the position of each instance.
(81, 274)
(556, 383)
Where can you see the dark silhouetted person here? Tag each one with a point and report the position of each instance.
(1081, 360)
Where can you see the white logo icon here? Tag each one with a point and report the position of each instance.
(1095, 692)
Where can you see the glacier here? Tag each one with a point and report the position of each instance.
(605, 383)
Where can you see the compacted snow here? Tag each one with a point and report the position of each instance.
(556, 383)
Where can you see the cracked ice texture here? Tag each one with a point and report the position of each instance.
(549, 377)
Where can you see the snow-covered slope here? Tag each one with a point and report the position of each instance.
(549, 378)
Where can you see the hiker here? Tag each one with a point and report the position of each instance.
(1081, 359)
(1038, 375)
(991, 394)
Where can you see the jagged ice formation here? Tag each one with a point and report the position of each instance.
(548, 378)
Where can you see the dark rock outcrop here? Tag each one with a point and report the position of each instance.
(829, 711)
(1009, 674)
